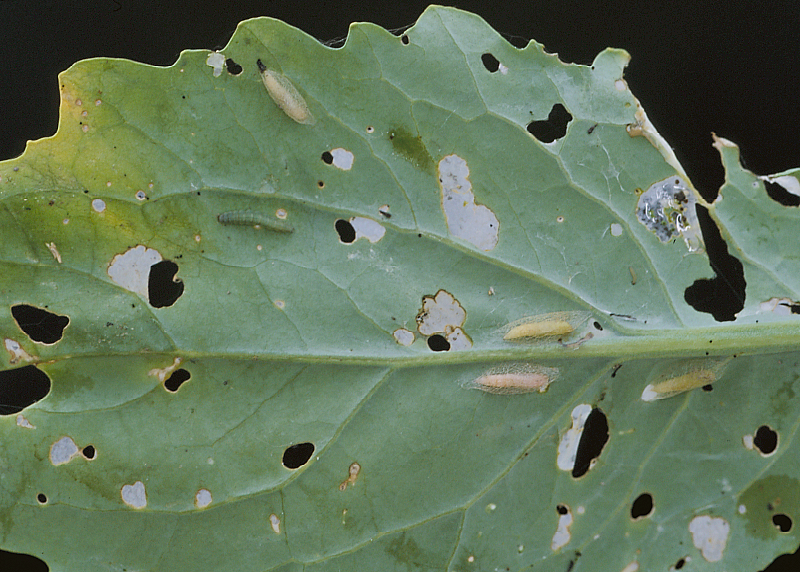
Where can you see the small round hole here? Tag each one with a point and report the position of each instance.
(404, 39)
(438, 343)
(561, 509)
(766, 440)
(89, 452)
(298, 455)
(347, 233)
(42, 498)
(782, 522)
(642, 506)
(327, 158)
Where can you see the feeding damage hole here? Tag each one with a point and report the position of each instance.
(441, 318)
(89, 452)
(722, 296)
(22, 387)
(765, 441)
(163, 289)
(593, 439)
(438, 343)
(232, 67)
(642, 506)
(552, 128)
(174, 381)
(40, 325)
(347, 234)
(18, 561)
(298, 455)
(786, 193)
(490, 62)
(41, 498)
(782, 522)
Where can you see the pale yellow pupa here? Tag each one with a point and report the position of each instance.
(513, 379)
(677, 378)
(545, 326)
(285, 95)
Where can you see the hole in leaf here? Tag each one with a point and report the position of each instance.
(298, 455)
(680, 563)
(232, 67)
(552, 128)
(780, 195)
(174, 381)
(782, 522)
(13, 561)
(22, 387)
(404, 39)
(785, 562)
(89, 452)
(42, 498)
(708, 387)
(721, 296)
(593, 439)
(765, 440)
(163, 289)
(561, 509)
(347, 233)
(642, 506)
(327, 157)
(490, 62)
(40, 325)
(438, 343)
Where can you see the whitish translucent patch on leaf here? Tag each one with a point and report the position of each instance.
(275, 523)
(779, 306)
(457, 338)
(285, 95)
(352, 476)
(16, 353)
(513, 379)
(51, 246)
(216, 60)
(164, 372)
(403, 337)
(440, 312)
(710, 535)
(131, 270)
(788, 182)
(24, 423)
(466, 220)
(562, 535)
(367, 228)
(675, 378)
(134, 495)
(545, 327)
(568, 447)
(747, 441)
(63, 451)
(203, 498)
(342, 159)
(616, 229)
(632, 567)
(667, 209)
(98, 205)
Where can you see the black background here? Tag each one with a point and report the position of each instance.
(731, 67)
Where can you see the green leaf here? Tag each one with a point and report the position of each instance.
(364, 307)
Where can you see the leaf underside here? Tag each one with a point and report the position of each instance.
(343, 308)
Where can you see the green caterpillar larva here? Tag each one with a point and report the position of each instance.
(254, 219)
(285, 95)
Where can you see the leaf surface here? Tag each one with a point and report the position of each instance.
(407, 221)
